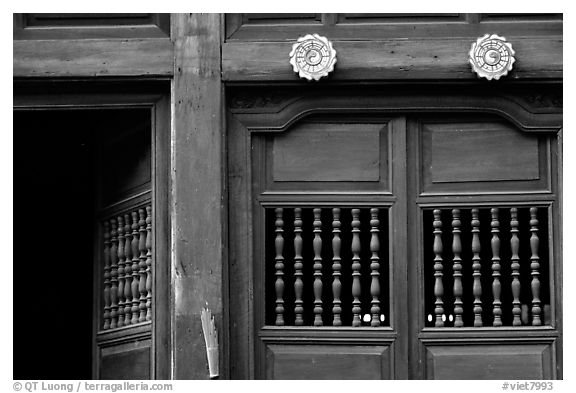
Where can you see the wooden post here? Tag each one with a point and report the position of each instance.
(198, 200)
(279, 284)
(298, 284)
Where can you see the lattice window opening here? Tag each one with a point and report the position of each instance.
(365, 315)
(526, 310)
(127, 268)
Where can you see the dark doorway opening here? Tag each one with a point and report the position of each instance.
(59, 188)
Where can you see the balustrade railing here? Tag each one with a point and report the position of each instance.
(486, 267)
(329, 268)
(127, 284)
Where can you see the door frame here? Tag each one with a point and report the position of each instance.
(155, 96)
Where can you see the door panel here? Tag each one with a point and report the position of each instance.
(345, 215)
(328, 362)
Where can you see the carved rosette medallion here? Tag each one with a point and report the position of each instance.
(312, 57)
(491, 56)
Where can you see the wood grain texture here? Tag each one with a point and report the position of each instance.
(328, 153)
(93, 58)
(373, 26)
(126, 361)
(502, 361)
(482, 152)
(387, 60)
(197, 190)
(328, 362)
(474, 156)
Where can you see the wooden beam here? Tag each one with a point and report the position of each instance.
(93, 58)
(445, 59)
(197, 193)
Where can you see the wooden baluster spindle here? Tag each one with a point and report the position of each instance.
(121, 272)
(279, 266)
(298, 285)
(148, 263)
(128, 271)
(515, 266)
(142, 264)
(336, 268)
(438, 268)
(496, 287)
(317, 245)
(375, 267)
(535, 267)
(113, 275)
(106, 236)
(476, 267)
(356, 290)
(135, 269)
(457, 267)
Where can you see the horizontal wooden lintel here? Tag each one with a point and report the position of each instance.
(401, 59)
(93, 58)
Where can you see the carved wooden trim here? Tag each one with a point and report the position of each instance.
(526, 113)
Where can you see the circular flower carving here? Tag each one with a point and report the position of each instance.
(312, 57)
(491, 56)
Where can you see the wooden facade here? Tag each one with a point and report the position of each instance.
(398, 219)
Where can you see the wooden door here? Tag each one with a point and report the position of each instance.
(355, 236)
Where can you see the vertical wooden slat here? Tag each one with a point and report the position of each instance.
(127, 270)
(535, 267)
(375, 267)
(457, 267)
(121, 273)
(317, 245)
(148, 263)
(476, 268)
(515, 266)
(106, 237)
(135, 269)
(142, 264)
(113, 275)
(496, 287)
(298, 285)
(356, 290)
(438, 268)
(336, 267)
(279, 266)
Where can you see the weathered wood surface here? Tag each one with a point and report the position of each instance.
(93, 58)
(197, 191)
(395, 59)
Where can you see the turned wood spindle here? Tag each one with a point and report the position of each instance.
(375, 267)
(457, 268)
(298, 284)
(535, 267)
(317, 245)
(135, 269)
(113, 275)
(148, 263)
(142, 264)
(438, 268)
(476, 268)
(106, 236)
(127, 271)
(336, 268)
(515, 266)
(121, 271)
(279, 266)
(356, 290)
(496, 287)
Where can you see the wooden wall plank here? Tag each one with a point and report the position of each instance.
(394, 59)
(93, 58)
(197, 193)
